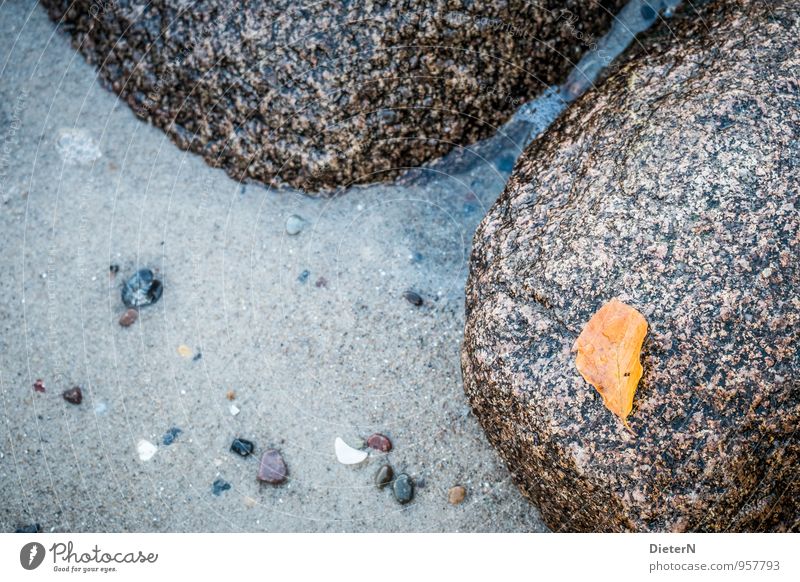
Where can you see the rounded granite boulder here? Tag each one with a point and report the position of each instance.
(321, 95)
(675, 189)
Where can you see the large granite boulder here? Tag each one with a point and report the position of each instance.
(674, 188)
(329, 93)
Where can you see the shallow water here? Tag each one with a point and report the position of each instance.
(311, 332)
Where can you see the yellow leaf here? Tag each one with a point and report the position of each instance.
(608, 355)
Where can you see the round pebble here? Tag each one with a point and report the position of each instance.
(403, 488)
(379, 442)
(272, 468)
(242, 447)
(384, 476)
(413, 298)
(456, 495)
(128, 318)
(294, 224)
(73, 395)
(141, 289)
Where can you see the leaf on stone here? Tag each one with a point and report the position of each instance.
(608, 355)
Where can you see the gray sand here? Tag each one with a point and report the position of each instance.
(83, 184)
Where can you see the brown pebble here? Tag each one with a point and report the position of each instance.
(456, 495)
(73, 395)
(38, 386)
(380, 443)
(272, 468)
(384, 476)
(128, 318)
(230, 395)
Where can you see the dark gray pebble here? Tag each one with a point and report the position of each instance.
(242, 447)
(171, 435)
(304, 276)
(384, 476)
(141, 289)
(29, 529)
(73, 395)
(403, 488)
(220, 485)
(413, 298)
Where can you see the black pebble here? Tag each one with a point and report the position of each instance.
(413, 298)
(197, 356)
(113, 268)
(171, 435)
(220, 485)
(403, 488)
(31, 528)
(384, 476)
(242, 447)
(73, 395)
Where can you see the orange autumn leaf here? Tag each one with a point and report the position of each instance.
(608, 354)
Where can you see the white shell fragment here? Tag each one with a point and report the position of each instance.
(234, 409)
(146, 450)
(346, 454)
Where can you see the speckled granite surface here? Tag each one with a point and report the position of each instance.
(331, 93)
(675, 189)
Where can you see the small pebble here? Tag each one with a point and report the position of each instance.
(242, 447)
(171, 435)
(379, 442)
(294, 224)
(38, 386)
(321, 282)
(272, 468)
(413, 298)
(304, 276)
(384, 476)
(218, 486)
(29, 529)
(113, 268)
(346, 454)
(456, 495)
(146, 450)
(141, 289)
(230, 395)
(184, 351)
(128, 318)
(197, 356)
(403, 488)
(73, 395)
(234, 409)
